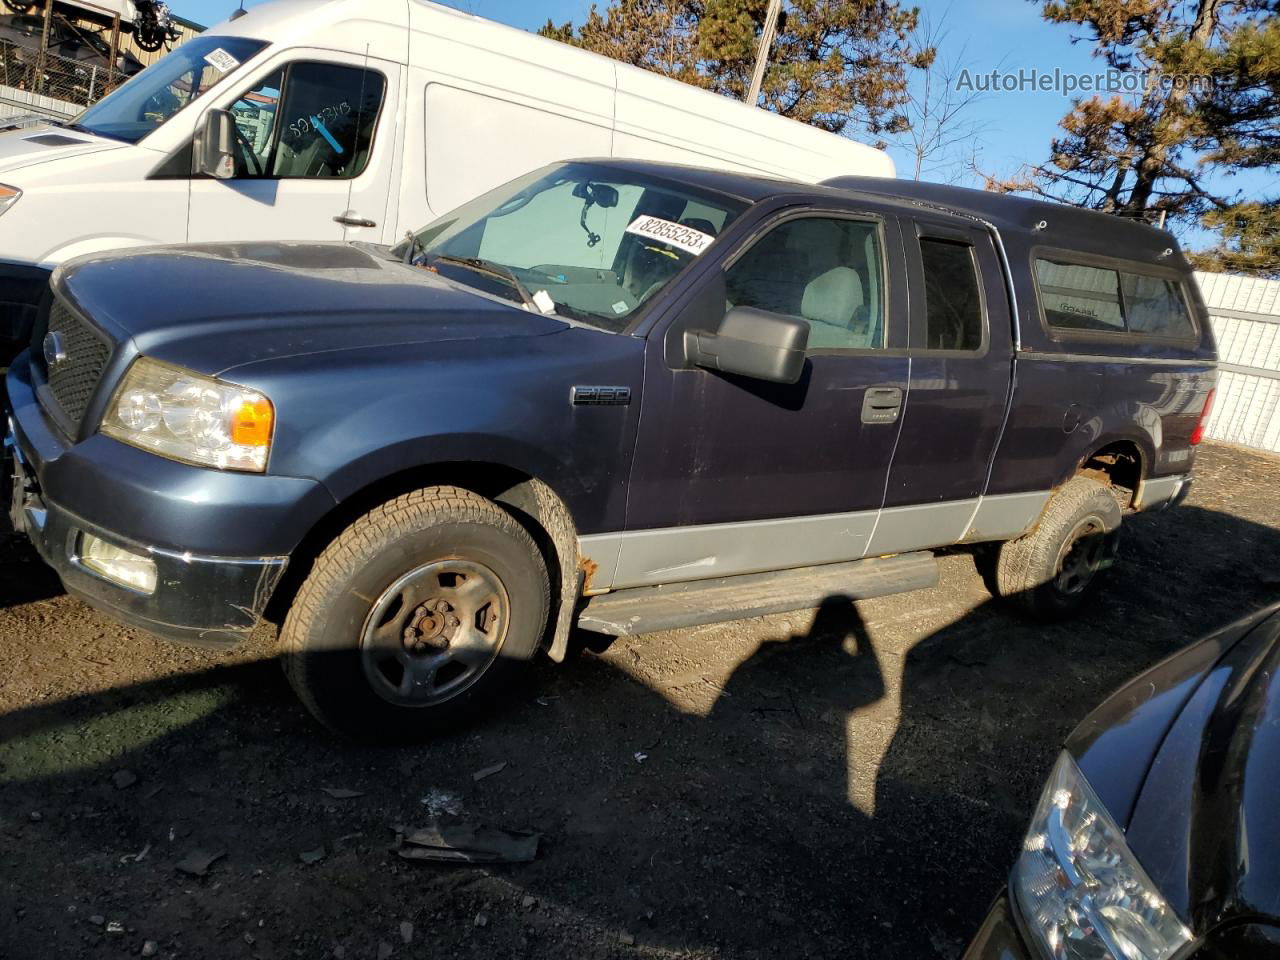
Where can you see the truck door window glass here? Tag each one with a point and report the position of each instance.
(826, 270)
(1154, 306)
(1077, 297)
(590, 242)
(952, 296)
(148, 100)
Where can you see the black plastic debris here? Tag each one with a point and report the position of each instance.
(197, 862)
(466, 843)
(489, 771)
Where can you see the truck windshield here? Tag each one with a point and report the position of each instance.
(587, 241)
(158, 92)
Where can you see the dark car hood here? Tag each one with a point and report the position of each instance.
(216, 306)
(1205, 815)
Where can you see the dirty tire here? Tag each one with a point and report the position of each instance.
(1079, 528)
(322, 643)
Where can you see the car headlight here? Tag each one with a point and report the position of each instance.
(190, 417)
(8, 196)
(1081, 891)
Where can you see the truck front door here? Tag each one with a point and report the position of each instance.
(315, 154)
(733, 475)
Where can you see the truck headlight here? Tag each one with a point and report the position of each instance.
(190, 417)
(1081, 891)
(8, 196)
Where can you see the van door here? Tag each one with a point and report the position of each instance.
(733, 475)
(961, 369)
(315, 139)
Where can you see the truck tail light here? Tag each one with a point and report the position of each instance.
(1198, 433)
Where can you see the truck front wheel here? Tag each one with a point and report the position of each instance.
(418, 613)
(1054, 570)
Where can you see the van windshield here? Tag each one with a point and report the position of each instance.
(587, 241)
(158, 92)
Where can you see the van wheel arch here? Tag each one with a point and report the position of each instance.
(530, 500)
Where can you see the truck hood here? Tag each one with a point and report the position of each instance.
(40, 143)
(218, 306)
(1205, 820)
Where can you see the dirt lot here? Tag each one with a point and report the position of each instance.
(850, 783)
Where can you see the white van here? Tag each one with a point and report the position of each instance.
(357, 120)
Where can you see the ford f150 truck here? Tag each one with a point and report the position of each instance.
(625, 395)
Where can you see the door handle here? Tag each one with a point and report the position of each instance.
(881, 405)
(348, 220)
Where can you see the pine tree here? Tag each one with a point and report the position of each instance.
(841, 65)
(1153, 154)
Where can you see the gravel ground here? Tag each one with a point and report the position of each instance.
(850, 782)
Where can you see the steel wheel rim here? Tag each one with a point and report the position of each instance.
(1081, 557)
(434, 632)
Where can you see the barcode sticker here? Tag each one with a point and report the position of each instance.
(675, 234)
(221, 59)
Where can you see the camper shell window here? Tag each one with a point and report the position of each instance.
(1086, 300)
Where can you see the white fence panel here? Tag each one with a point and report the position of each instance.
(21, 103)
(1245, 312)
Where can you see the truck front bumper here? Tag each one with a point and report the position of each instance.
(168, 514)
(206, 601)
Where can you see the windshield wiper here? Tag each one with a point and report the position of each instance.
(493, 269)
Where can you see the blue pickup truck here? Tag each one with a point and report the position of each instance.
(622, 395)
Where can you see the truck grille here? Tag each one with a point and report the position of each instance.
(73, 380)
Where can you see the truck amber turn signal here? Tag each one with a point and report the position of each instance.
(252, 422)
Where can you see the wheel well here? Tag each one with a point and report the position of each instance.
(526, 498)
(1119, 466)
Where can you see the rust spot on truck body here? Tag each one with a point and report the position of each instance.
(589, 568)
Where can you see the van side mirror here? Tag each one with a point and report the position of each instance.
(214, 149)
(752, 343)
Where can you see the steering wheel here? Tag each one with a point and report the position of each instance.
(246, 148)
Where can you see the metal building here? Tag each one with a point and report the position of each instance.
(1246, 320)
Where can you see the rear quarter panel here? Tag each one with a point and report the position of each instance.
(1076, 394)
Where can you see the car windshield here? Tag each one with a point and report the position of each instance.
(587, 241)
(158, 92)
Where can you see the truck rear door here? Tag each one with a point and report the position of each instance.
(961, 353)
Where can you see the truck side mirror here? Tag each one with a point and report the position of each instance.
(214, 150)
(752, 343)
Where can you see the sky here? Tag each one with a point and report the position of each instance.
(1014, 128)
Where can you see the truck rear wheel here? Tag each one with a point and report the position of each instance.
(419, 613)
(1054, 570)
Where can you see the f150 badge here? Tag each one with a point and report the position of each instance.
(600, 396)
